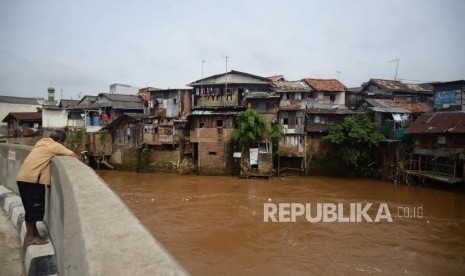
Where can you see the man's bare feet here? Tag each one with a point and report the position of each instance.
(36, 241)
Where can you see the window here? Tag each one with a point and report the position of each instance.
(261, 106)
(202, 125)
(441, 140)
(174, 101)
(291, 141)
(298, 96)
(219, 123)
(317, 119)
(212, 153)
(285, 121)
(263, 148)
(332, 98)
(299, 120)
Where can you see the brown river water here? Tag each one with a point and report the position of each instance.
(215, 225)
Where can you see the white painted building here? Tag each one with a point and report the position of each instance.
(54, 117)
(118, 88)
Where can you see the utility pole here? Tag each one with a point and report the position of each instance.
(201, 84)
(226, 85)
(397, 66)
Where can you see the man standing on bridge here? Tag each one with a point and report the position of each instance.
(34, 176)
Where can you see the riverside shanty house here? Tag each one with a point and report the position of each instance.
(438, 147)
(23, 124)
(261, 157)
(103, 109)
(216, 102)
(126, 130)
(397, 91)
(391, 121)
(394, 104)
(324, 110)
(327, 106)
(17, 104)
(79, 113)
(293, 95)
(167, 116)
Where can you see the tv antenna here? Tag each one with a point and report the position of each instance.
(201, 83)
(226, 84)
(338, 73)
(397, 66)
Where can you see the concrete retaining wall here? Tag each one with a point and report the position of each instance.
(92, 230)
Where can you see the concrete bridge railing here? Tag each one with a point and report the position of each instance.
(91, 229)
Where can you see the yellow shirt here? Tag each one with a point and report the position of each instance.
(36, 166)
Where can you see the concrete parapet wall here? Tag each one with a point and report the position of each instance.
(92, 230)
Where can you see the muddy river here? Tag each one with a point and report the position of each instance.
(216, 225)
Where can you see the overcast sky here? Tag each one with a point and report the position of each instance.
(84, 46)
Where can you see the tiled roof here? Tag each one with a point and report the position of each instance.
(439, 122)
(412, 107)
(325, 84)
(291, 86)
(276, 78)
(23, 116)
(148, 89)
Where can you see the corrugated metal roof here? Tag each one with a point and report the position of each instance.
(291, 86)
(390, 110)
(354, 90)
(325, 85)
(397, 86)
(121, 97)
(68, 103)
(21, 100)
(23, 116)
(116, 101)
(331, 111)
(376, 102)
(438, 122)
(260, 95)
(213, 112)
(211, 79)
(422, 87)
(119, 105)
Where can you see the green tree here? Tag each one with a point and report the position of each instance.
(276, 134)
(250, 127)
(357, 139)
